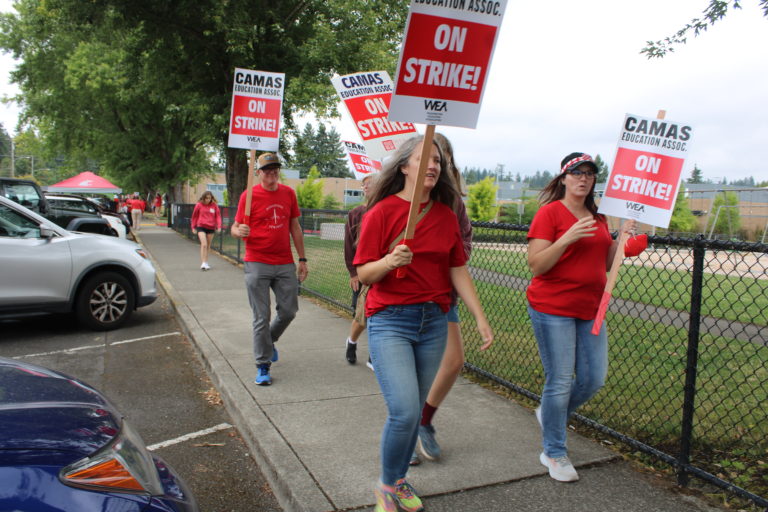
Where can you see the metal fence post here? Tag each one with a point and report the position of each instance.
(692, 356)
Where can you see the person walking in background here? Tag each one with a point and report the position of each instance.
(158, 205)
(206, 220)
(351, 235)
(272, 222)
(569, 252)
(453, 358)
(137, 206)
(406, 318)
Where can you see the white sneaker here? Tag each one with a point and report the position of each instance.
(206, 266)
(560, 468)
(202, 267)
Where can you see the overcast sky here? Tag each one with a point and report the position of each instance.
(565, 73)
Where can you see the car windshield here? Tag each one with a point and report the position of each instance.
(24, 194)
(15, 225)
(72, 204)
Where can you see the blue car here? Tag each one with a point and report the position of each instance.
(64, 447)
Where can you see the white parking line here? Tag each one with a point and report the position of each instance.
(187, 437)
(88, 347)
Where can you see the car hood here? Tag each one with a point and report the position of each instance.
(46, 411)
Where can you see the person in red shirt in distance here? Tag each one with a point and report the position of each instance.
(206, 220)
(268, 261)
(137, 206)
(569, 252)
(158, 205)
(406, 317)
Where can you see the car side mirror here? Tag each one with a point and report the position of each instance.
(46, 232)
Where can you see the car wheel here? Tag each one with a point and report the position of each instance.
(105, 301)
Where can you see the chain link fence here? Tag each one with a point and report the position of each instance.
(688, 335)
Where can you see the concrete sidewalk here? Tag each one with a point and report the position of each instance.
(315, 432)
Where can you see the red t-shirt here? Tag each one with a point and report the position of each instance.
(437, 246)
(270, 222)
(574, 286)
(138, 204)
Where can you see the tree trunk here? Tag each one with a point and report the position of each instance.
(237, 173)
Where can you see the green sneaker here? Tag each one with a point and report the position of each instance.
(406, 497)
(385, 498)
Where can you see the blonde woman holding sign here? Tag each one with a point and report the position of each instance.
(406, 318)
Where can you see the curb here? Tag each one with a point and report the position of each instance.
(272, 453)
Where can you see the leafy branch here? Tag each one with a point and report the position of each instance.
(715, 11)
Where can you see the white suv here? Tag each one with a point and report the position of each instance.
(46, 269)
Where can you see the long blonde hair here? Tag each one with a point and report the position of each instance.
(391, 180)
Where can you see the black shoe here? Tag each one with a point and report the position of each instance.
(351, 352)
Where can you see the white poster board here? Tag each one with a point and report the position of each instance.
(367, 96)
(359, 163)
(646, 172)
(257, 104)
(444, 62)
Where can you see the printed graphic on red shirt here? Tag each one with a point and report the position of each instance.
(276, 217)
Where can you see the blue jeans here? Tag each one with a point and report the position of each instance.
(406, 344)
(575, 365)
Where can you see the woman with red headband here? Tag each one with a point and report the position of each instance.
(569, 252)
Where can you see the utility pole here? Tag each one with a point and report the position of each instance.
(13, 160)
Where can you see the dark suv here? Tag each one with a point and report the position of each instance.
(66, 209)
(25, 192)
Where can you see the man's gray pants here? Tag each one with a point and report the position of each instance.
(281, 279)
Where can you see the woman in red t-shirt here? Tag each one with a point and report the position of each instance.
(206, 220)
(406, 318)
(569, 252)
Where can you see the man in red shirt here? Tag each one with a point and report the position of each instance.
(272, 222)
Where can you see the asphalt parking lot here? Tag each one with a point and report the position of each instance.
(151, 373)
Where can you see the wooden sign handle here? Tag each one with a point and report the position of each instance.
(614, 273)
(413, 212)
(248, 187)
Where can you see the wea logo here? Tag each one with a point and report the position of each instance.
(436, 105)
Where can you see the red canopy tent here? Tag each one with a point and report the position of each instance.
(85, 182)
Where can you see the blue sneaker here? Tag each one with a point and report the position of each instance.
(274, 354)
(262, 376)
(427, 443)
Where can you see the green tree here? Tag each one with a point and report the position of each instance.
(696, 175)
(481, 201)
(331, 203)
(94, 95)
(744, 182)
(511, 214)
(310, 193)
(728, 219)
(145, 87)
(602, 170)
(715, 11)
(322, 149)
(683, 220)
